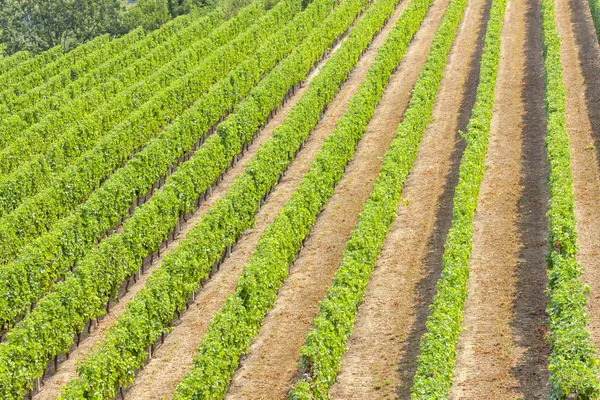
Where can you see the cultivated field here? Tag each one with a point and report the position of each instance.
(346, 199)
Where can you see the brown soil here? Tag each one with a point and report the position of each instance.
(174, 358)
(492, 348)
(269, 369)
(391, 320)
(580, 55)
(529, 306)
(67, 369)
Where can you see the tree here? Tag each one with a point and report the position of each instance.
(14, 34)
(2, 47)
(150, 14)
(38, 25)
(95, 17)
(67, 22)
(230, 7)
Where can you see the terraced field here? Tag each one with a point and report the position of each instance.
(347, 199)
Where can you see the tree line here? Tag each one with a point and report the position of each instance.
(37, 25)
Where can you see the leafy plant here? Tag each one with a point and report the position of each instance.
(21, 79)
(223, 224)
(150, 14)
(30, 65)
(61, 90)
(13, 61)
(64, 73)
(63, 140)
(31, 176)
(179, 276)
(573, 364)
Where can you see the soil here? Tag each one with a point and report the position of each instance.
(580, 55)
(380, 360)
(269, 369)
(496, 353)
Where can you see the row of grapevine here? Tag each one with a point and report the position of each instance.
(14, 101)
(13, 61)
(437, 352)
(30, 65)
(170, 287)
(573, 364)
(231, 331)
(107, 78)
(126, 86)
(326, 343)
(49, 329)
(76, 183)
(20, 81)
(32, 275)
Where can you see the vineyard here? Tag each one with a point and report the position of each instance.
(345, 199)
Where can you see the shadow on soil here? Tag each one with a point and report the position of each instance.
(530, 301)
(589, 56)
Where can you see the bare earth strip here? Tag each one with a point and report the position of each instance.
(583, 95)
(489, 351)
(67, 369)
(385, 333)
(529, 306)
(270, 368)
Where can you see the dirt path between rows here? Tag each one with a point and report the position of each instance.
(380, 360)
(497, 355)
(67, 369)
(270, 367)
(580, 55)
